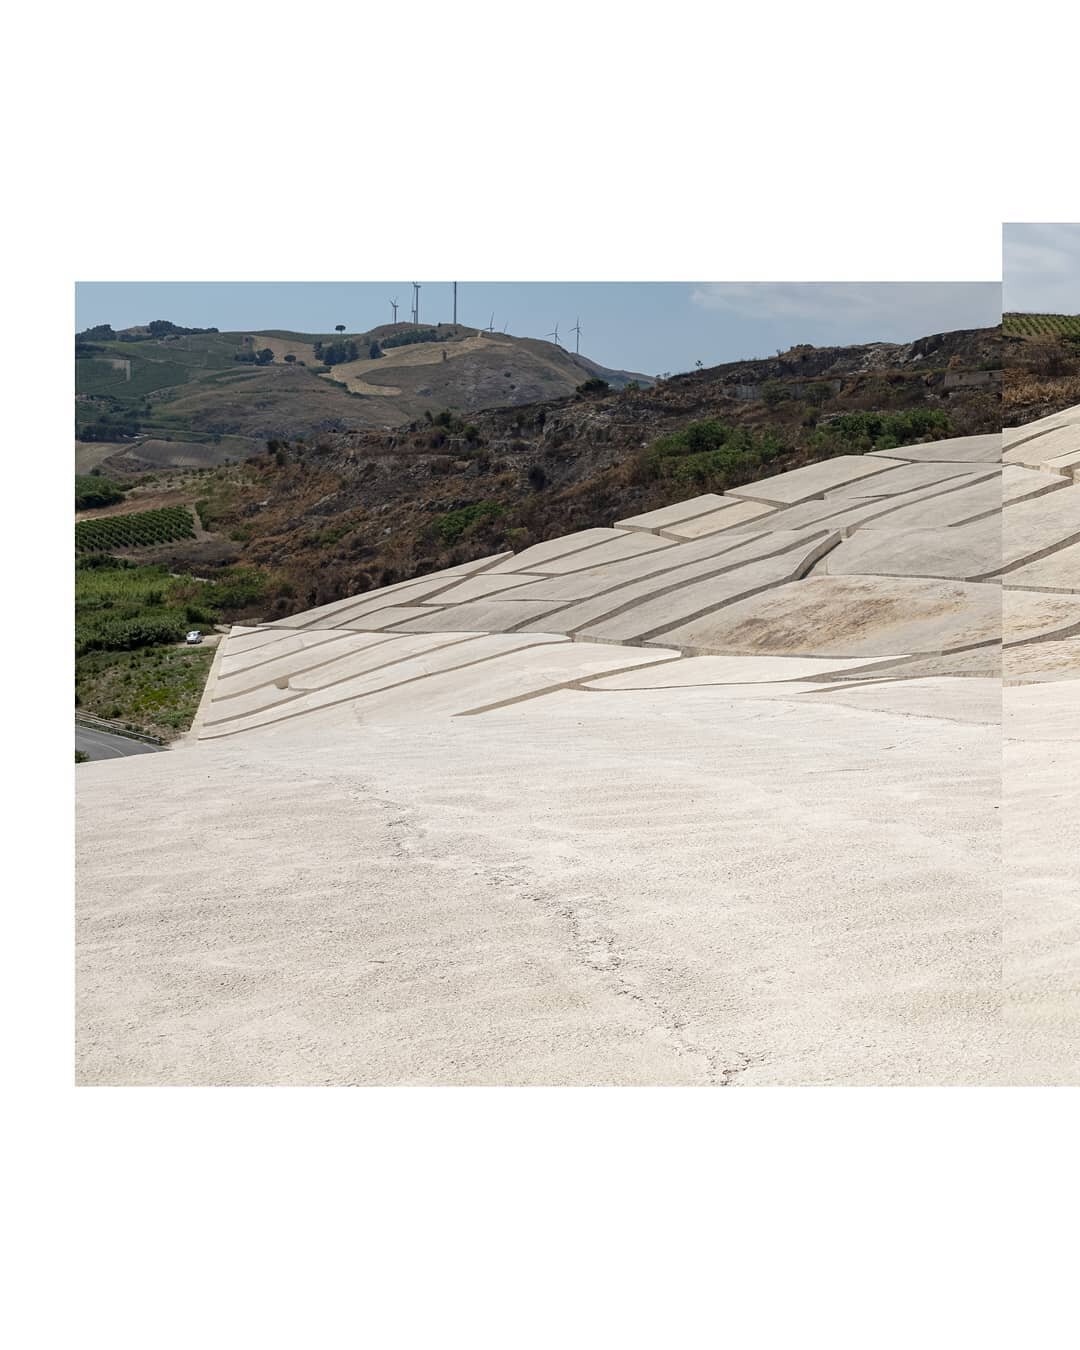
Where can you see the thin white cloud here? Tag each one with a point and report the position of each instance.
(1042, 268)
(857, 311)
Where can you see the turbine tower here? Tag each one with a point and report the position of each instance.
(576, 330)
(416, 302)
(491, 323)
(455, 304)
(554, 334)
(393, 306)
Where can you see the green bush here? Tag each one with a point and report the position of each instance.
(710, 452)
(451, 526)
(91, 491)
(858, 432)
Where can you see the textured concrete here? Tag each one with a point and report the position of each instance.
(733, 512)
(799, 485)
(958, 505)
(461, 900)
(1034, 528)
(956, 449)
(652, 522)
(1056, 571)
(909, 477)
(848, 616)
(1041, 797)
(584, 549)
(1018, 482)
(966, 552)
(578, 852)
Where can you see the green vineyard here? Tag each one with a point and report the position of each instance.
(1038, 325)
(137, 529)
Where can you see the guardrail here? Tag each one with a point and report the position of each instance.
(95, 723)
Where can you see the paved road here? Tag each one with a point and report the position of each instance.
(104, 745)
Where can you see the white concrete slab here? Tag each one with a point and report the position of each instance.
(813, 480)
(714, 550)
(1033, 528)
(958, 506)
(1018, 482)
(478, 588)
(654, 521)
(733, 512)
(1056, 571)
(644, 620)
(538, 556)
(780, 555)
(736, 670)
(910, 477)
(964, 552)
(848, 616)
(958, 449)
(471, 651)
(492, 615)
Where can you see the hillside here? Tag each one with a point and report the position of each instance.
(189, 399)
(1042, 365)
(339, 513)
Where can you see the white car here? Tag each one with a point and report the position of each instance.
(193, 637)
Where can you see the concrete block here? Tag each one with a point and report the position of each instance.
(911, 477)
(734, 512)
(1055, 571)
(540, 555)
(963, 552)
(653, 521)
(641, 621)
(958, 449)
(813, 480)
(1018, 482)
(848, 616)
(1038, 526)
(783, 552)
(957, 506)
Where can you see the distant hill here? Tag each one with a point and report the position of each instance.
(195, 398)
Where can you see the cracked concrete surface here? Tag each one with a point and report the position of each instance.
(470, 830)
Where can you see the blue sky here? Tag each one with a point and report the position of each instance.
(1042, 268)
(651, 327)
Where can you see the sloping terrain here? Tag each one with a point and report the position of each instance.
(341, 513)
(709, 796)
(202, 398)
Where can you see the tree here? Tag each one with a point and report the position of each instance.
(339, 328)
(375, 351)
(264, 357)
(290, 358)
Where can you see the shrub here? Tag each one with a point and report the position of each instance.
(92, 490)
(710, 452)
(858, 432)
(594, 385)
(450, 527)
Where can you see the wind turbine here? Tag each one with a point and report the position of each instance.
(576, 330)
(393, 306)
(416, 302)
(555, 335)
(491, 323)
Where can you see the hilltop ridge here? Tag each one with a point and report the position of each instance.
(198, 397)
